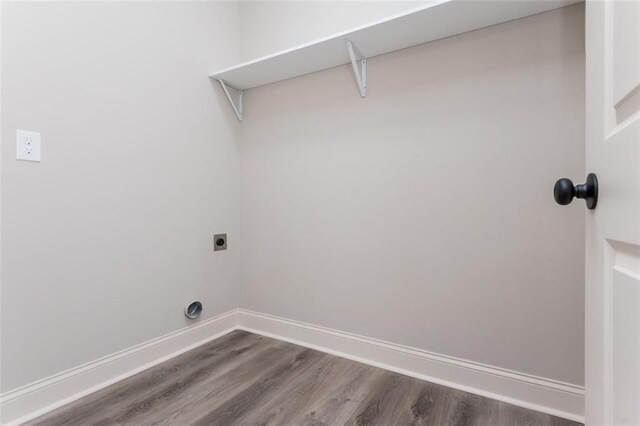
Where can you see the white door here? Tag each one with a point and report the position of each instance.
(613, 228)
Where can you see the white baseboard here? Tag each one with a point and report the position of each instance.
(535, 393)
(35, 399)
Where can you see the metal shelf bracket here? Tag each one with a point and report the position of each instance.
(360, 72)
(236, 108)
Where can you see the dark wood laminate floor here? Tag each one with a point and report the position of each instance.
(246, 379)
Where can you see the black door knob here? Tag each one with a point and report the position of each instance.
(564, 191)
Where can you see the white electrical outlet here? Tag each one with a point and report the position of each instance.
(28, 147)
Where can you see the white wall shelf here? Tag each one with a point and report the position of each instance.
(432, 21)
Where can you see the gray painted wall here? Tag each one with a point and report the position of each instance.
(105, 241)
(423, 215)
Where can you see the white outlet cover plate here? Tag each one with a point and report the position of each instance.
(28, 146)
